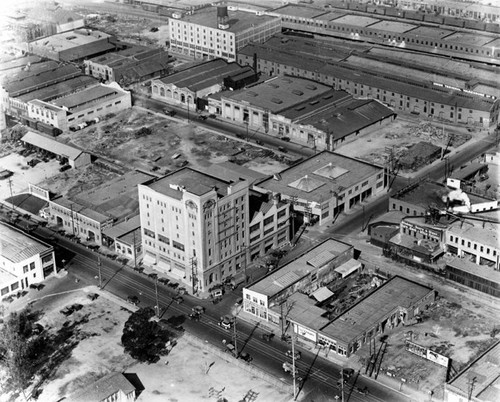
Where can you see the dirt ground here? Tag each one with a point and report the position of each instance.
(168, 144)
(400, 134)
(99, 325)
(448, 329)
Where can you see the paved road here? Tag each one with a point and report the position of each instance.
(122, 281)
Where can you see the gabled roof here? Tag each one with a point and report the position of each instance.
(103, 389)
(49, 144)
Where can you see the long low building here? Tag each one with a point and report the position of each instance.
(80, 107)
(24, 260)
(74, 156)
(304, 111)
(400, 93)
(326, 184)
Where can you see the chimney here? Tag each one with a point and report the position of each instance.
(222, 16)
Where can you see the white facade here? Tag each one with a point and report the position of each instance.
(23, 261)
(200, 37)
(197, 239)
(476, 241)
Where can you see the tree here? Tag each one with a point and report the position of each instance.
(18, 349)
(143, 338)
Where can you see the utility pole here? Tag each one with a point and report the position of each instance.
(295, 393)
(156, 298)
(134, 251)
(99, 268)
(235, 338)
(342, 383)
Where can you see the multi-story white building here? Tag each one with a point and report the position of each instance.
(80, 107)
(194, 227)
(23, 260)
(476, 241)
(213, 32)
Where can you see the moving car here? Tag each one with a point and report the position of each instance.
(226, 322)
(178, 299)
(298, 355)
(246, 357)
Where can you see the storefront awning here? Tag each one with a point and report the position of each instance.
(149, 259)
(348, 268)
(322, 294)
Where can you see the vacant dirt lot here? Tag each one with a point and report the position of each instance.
(94, 350)
(400, 134)
(447, 328)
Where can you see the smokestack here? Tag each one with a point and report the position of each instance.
(222, 16)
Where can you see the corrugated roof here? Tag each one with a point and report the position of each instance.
(49, 144)
(123, 227)
(16, 246)
(76, 100)
(203, 75)
(321, 259)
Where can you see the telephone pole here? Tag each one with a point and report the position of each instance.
(235, 338)
(156, 298)
(99, 268)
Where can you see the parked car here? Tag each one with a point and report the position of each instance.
(182, 291)
(259, 142)
(153, 275)
(246, 357)
(361, 390)
(133, 300)
(212, 116)
(178, 299)
(298, 355)
(64, 168)
(226, 322)
(164, 281)
(93, 296)
(198, 309)
(282, 149)
(202, 117)
(173, 285)
(287, 139)
(267, 337)
(170, 112)
(194, 317)
(33, 162)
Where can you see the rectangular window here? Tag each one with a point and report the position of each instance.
(163, 239)
(254, 228)
(32, 266)
(267, 221)
(281, 213)
(25, 269)
(178, 246)
(149, 233)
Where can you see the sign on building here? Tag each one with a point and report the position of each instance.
(427, 353)
(39, 192)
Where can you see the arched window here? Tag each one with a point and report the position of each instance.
(162, 91)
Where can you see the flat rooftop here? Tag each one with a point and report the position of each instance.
(485, 233)
(81, 209)
(304, 311)
(484, 371)
(432, 32)
(364, 315)
(329, 16)
(123, 228)
(299, 11)
(393, 26)
(189, 180)
(68, 40)
(16, 246)
(52, 145)
(314, 178)
(357, 20)
(238, 20)
(279, 94)
(233, 172)
(295, 270)
(118, 198)
(467, 38)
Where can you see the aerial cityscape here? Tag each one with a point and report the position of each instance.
(252, 200)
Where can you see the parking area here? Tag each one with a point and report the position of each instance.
(24, 173)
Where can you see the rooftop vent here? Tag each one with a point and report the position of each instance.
(297, 92)
(277, 101)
